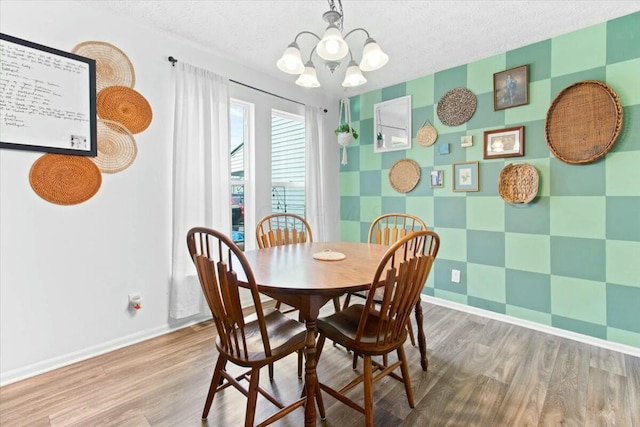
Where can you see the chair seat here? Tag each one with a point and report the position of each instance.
(285, 335)
(341, 327)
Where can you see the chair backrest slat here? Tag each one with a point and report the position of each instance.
(214, 255)
(389, 228)
(400, 277)
(282, 229)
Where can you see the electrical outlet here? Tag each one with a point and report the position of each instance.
(135, 301)
(455, 276)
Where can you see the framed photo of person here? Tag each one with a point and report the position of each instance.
(511, 88)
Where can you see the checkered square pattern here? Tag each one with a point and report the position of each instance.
(569, 259)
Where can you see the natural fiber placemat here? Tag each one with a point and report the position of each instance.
(404, 175)
(583, 122)
(113, 67)
(125, 106)
(518, 183)
(117, 148)
(64, 179)
(456, 106)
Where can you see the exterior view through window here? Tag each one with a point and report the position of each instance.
(287, 163)
(238, 118)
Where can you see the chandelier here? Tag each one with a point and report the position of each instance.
(332, 48)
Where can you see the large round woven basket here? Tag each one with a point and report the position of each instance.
(404, 175)
(125, 106)
(518, 183)
(456, 106)
(113, 67)
(64, 179)
(117, 148)
(583, 122)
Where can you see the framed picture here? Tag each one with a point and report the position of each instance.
(504, 143)
(465, 176)
(49, 99)
(437, 178)
(511, 88)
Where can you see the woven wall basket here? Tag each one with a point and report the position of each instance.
(426, 135)
(583, 122)
(456, 106)
(113, 67)
(125, 106)
(117, 148)
(518, 183)
(65, 180)
(404, 175)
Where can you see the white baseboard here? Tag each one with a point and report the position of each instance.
(621, 348)
(87, 353)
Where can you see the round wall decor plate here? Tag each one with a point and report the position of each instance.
(64, 179)
(113, 67)
(404, 175)
(583, 122)
(117, 147)
(125, 106)
(456, 106)
(518, 183)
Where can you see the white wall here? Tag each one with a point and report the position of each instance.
(66, 271)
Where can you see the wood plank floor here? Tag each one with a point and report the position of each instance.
(482, 372)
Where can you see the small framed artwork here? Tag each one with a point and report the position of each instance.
(466, 141)
(511, 88)
(437, 178)
(507, 142)
(465, 176)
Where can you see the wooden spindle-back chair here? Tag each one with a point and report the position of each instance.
(380, 327)
(254, 342)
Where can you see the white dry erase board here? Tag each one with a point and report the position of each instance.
(47, 99)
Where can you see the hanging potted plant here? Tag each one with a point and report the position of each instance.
(345, 134)
(344, 131)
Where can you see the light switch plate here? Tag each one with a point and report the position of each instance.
(455, 276)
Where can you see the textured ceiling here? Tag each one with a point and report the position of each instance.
(420, 37)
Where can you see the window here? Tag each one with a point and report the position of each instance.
(287, 163)
(238, 131)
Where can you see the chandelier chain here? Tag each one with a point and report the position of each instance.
(334, 8)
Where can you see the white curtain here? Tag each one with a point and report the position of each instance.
(201, 177)
(316, 188)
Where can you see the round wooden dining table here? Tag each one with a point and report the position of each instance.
(291, 274)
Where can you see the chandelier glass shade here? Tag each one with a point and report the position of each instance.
(332, 48)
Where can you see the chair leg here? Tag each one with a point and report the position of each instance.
(271, 371)
(278, 304)
(346, 302)
(406, 379)
(252, 397)
(355, 361)
(336, 304)
(368, 391)
(300, 359)
(320, 403)
(411, 334)
(215, 381)
(422, 341)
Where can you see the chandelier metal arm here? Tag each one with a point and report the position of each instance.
(354, 30)
(306, 32)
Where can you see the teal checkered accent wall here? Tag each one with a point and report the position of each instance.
(569, 259)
